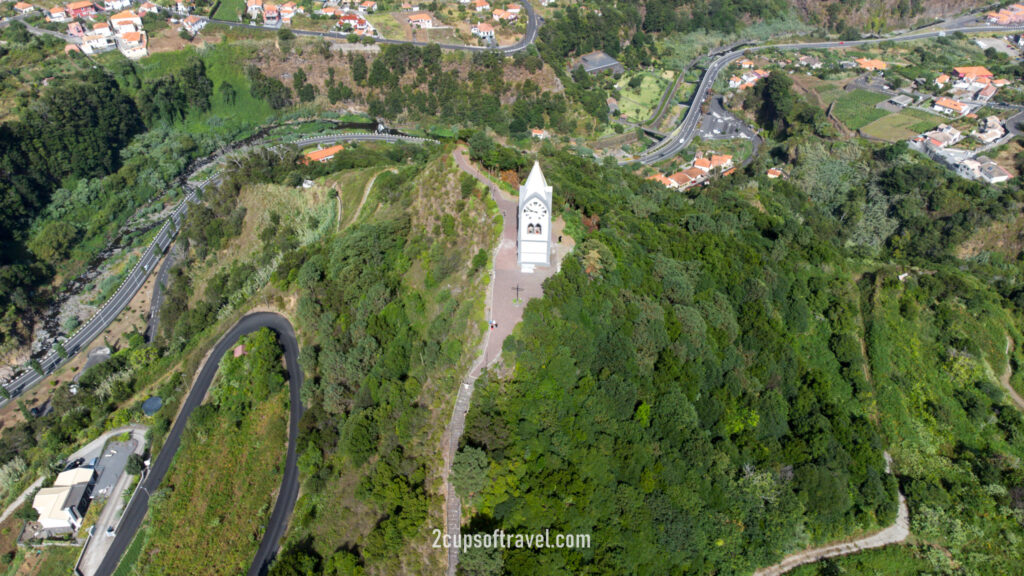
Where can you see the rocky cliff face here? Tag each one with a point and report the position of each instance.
(883, 14)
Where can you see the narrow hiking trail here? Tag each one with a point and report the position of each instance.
(366, 194)
(894, 534)
(1015, 396)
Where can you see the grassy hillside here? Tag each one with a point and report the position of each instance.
(390, 309)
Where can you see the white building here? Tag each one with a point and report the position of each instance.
(984, 169)
(534, 221)
(133, 45)
(989, 130)
(193, 24)
(63, 505)
(483, 30)
(254, 8)
(991, 172)
(95, 43)
(126, 21)
(421, 20)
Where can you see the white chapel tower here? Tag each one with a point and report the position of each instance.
(534, 219)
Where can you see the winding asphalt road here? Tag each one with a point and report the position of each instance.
(533, 24)
(289, 491)
(683, 134)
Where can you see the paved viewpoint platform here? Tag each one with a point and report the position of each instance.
(510, 290)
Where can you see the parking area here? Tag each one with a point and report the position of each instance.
(112, 462)
(720, 124)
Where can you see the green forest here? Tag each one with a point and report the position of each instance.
(715, 378)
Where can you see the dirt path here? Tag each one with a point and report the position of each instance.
(894, 534)
(366, 194)
(1015, 397)
(366, 191)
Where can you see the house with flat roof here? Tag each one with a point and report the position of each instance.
(991, 172)
(901, 100)
(597, 62)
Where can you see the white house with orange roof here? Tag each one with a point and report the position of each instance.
(271, 14)
(111, 5)
(483, 30)
(722, 161)
(1013, 14)
(950, 106)
(500, 15)
(972, 77)
(126, 21)
(133, 45)
(358, 23)
(481, 5)
(514, 8)
(24, 8)
(368, 6)
(253, 8)
(421, 20)
(539, 133)
(148, 8)
(193, 24)
(102, 29)
(288, 11)
(57, 14)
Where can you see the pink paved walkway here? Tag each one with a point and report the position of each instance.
(506, 309)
